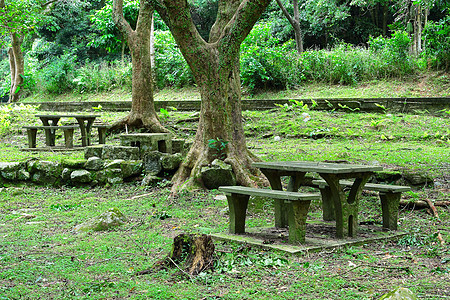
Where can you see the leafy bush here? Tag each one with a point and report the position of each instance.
(171, 67)
(265, 63)
(437, 43)
(57, 76)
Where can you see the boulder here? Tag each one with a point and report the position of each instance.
(150, 180)
(399, 293)
(107, 220)
(171, 162)
(45, 172)
(218, 174)
(94, 163)
(152, 162)
(114, 176)
(91, 151)
(81, 176)
(65, 174)
(8, 170)
(131, 168)
(418, 178)
(115, 164)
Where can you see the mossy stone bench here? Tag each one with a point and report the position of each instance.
(389, 195)
(102, 129)
(238, 197)
(50, 134)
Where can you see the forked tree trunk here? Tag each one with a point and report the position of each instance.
(16, 66)
(215, 66)
(220, 119)
(142, 112)
(295, 22)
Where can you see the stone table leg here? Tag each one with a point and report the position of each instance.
(389, 207)
(297, 221)
(346, 207)
(238, 211)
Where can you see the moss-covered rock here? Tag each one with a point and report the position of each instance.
(399, 293)
(72, 163)
(107, 220)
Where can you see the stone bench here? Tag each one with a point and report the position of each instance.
(238, 197)
(146, 142)
(102, 129)
(389, 195)
(50, 134)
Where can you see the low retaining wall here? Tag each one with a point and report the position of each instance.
(405, 105)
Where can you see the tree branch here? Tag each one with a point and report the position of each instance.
(286, 13)
(118, 18)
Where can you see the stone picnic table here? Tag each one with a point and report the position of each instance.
(343, 207)
(84, 122)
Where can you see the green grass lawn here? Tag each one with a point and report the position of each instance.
(42, 257)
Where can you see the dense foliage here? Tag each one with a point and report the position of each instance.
(76, 47)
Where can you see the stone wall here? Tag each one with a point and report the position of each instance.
(97, 168)
(405, 105)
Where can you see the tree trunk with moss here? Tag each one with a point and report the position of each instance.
(215, 66)
(142, 112)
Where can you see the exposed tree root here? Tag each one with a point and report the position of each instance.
(188, 175)
(135, 121)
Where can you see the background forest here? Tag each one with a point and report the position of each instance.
(74, 46)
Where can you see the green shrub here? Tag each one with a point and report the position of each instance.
(13, 116)
(99, 77)
(171, 67)
(57, 76)
(266, 63)
(437, 43)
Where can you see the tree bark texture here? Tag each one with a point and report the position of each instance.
(215, 66)
(17, 67)
(142, 112)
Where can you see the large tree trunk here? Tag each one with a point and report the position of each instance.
(220, 120)
(17, 67)
(142, 112)
(215, 66)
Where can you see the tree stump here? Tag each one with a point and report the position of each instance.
(191, 253)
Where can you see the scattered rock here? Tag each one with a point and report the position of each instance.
(107, 220)
(150, 180)
(418, 178)
(399, 293)
(218, 174)
(81, 176)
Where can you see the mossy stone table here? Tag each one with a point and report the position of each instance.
(84, 122)
(346, 207)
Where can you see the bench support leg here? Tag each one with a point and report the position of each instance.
(31, 133)
(238, 210)
(102, 135)
(389, 207)
(68, 137)
(297, 221)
